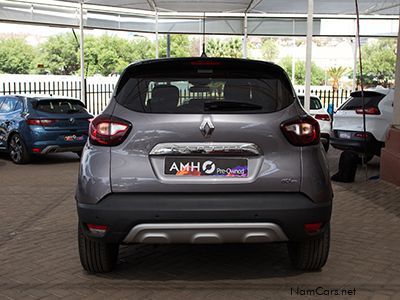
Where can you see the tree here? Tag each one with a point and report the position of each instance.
(215, 48)
(109, 54)
(317, 73)
(269, 49)
(60, 54)
(16, 56)
(379, 62)
(180, 45)
(335, 74)
(220, 48)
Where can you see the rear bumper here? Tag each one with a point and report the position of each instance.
(371, 145)
(58, 148)
(286, 211)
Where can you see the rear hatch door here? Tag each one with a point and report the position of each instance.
(205, 127)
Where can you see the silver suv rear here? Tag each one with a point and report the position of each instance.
(202, 150)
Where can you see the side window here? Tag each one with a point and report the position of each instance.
(18, 105)
(1, 104)
(8, 105)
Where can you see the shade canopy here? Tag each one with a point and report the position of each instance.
(265, 17)
(368, 7)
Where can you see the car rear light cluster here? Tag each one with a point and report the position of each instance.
(97, 230)
(368, 111)
(312, 227)
(323, 117)
(108, 131)
(302, 131)
(362, 135)
(40, 122)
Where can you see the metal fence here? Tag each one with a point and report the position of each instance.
(329, 97)
(99, 94)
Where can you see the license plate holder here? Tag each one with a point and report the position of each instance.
(73, 137)
(344, 135)
(206, 167)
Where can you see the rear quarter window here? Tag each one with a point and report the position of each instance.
(212, 88)
(315, 103)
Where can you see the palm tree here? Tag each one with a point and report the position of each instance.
(336, 73)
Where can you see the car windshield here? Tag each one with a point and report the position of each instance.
(60, 106)
(205, 90)
(315, 103)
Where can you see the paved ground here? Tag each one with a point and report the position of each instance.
(39, 258)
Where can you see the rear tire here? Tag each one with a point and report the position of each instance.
(19, 153)
(312, 254)
(96, 256)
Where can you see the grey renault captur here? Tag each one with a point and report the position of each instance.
(203, 151)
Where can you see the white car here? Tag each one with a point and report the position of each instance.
(321, 115)
(348, 129)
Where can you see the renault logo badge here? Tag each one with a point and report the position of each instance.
(207, 127)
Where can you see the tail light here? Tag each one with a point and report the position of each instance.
(362, 135)
(40, 122)
(323, 117)
(302, 131)
(312, 227)
(108, 131)
(97, 230)
(368, 111)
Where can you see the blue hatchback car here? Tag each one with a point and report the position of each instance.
(34, 125)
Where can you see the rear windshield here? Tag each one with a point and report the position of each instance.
(371, 99)
(60, 106)
(205, 90)
(315, 103)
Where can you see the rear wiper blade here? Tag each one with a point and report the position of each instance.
(71, 111)
(230, 105)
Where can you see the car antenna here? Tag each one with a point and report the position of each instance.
(203, 53)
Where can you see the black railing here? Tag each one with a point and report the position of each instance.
(329, 97)
(97, 94)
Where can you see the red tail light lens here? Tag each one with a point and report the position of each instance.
(205, 63)
(302, 131)
(361, 135)
(42, 122)
(323, 117)
(98, 230)
(312, 227)
(108, 131)
(368, 111)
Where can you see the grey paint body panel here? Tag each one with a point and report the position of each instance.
(132, 168)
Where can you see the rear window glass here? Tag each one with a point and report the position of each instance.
(315, 103)
(205, 90)
(60, 106)
(371, 99)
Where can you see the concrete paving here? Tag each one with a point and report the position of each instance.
(39, 256)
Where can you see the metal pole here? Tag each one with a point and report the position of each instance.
(157, 35)
(168, 45)
(355, 45)
(293, 56)
(396, 102)
(245, 36)
(82, 55)
(308, 54)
